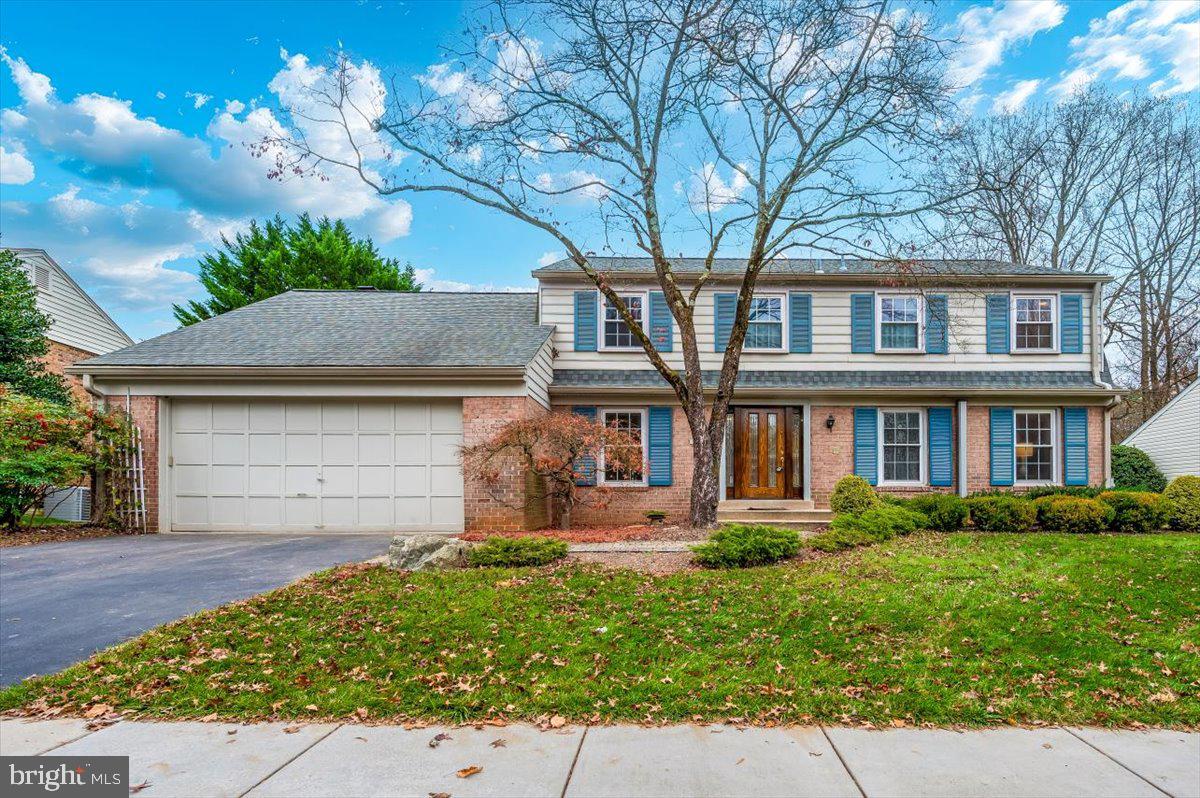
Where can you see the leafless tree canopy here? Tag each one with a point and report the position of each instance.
(650, 126)
(1098, 183)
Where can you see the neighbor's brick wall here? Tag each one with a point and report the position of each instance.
(511, 504)
(629, 505)
(58, 357)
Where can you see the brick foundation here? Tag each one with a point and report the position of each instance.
(510, 505)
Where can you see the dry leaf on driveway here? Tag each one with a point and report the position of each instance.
(499, 742)
(437, 739)
(468, 772)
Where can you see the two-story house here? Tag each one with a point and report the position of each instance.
(79, 328)
(344, 410)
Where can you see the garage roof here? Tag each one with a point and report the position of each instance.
(361, 328)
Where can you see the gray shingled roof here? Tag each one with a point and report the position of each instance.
(354, 328)
(794, 267)
(837, 380)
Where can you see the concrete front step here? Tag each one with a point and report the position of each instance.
(787, 523)
(765, 504)
(767, 516)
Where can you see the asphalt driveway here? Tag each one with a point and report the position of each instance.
(60, 602)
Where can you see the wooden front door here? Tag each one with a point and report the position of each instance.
(760, 454)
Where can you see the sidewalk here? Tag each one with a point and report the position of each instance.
(218, 759)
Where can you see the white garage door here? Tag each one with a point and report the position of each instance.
(316, 465)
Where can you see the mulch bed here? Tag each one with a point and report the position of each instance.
(55, 534)
(602, 534)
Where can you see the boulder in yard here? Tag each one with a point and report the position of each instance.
(426, 552)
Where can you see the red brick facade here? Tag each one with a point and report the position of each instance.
(58, 357)
(512, 504)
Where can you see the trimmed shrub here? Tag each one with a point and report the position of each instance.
(1137, 511)
(1075, 515)
(1184, 495)
(746, 545)
(891, 498)
(514, 552)
(1132, 469)
(946, 512)
(833, 540)
(1002, 513)
(882, 523)
(853, 495)
(1079, 491)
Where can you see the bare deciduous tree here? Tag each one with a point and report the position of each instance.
(650, 125)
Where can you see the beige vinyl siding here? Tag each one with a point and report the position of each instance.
(76, 320)
(831, 337)
(1172, 437)
(540, 372)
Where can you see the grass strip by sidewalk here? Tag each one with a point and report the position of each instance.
(970, 629)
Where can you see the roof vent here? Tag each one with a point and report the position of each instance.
(366, 288)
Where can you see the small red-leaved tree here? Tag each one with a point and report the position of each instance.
(560, 450)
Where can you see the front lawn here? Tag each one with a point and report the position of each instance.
(947, 629)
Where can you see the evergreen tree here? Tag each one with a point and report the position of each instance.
(23, 336)
(278, 256)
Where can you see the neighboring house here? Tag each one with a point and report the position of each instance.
(1172, 435)
(79, 327)
(343, 410)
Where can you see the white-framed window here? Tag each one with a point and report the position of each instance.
(632, 421)
(1034, 319)
(901, 446)
(616, 333)
(1035, 446)
(764, 331)
(900, 322)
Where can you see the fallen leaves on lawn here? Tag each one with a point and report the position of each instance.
(469, 771)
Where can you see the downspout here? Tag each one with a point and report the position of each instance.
(1097, 335)
(962, 447)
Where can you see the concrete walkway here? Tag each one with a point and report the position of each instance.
(217, 759)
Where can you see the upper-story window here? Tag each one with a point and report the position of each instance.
(1033, 323)
(900, 322)
(765, 328)
(617, 334)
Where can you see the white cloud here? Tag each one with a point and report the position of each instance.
(575, 186)
(430, 282)
(121, 250)
(1137, 41)
(708, 191)
(34, 88)
(15, 168)
(198, 99)
(552, 256)
(1013, 100)
(160, 95)
(234, 107)
(986, 33)
(107, 141)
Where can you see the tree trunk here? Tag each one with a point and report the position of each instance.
(706, 474)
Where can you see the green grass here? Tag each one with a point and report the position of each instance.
(964, 628)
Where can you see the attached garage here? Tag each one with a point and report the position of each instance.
(306, 466)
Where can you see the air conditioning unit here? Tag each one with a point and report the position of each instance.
(69, 504)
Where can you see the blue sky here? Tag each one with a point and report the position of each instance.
(122, 124)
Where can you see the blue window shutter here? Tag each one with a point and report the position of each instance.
(724, 310)
(800, 312)
(862, 323)
(866, 444)
(1075, 445)
(997, 325)
(660, 446)
(662, 332)
(1071, 324)
(937, 323)
(1002, 446)
(585, 468)
(941, 447)
(586, 305)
